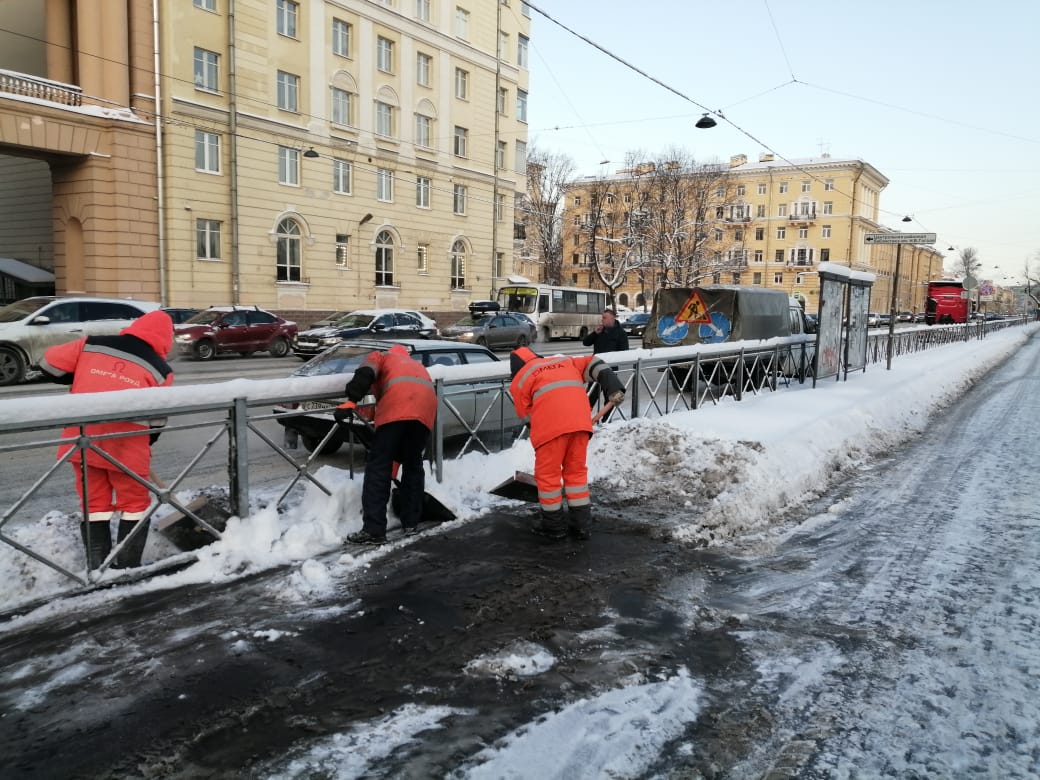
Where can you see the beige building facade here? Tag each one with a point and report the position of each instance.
(339, 155)
(767, 223)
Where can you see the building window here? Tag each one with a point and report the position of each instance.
(384, 119)
(207, 239)
(342, 177)
(288, 91)
(288, 166)
(758, 255)
(825, 255)
(779, 256)
(807, 186)
(422, 10)
(458, 265)
(459, 199)
(461, 23)
(500, 208)
(760, 234)
(828, 207)
(522, 42)
(781, 210)
(778, 277)
(341, 38)
(521, 157)
(717, 235)
(738, 235)
(781, 232)
(286, 13)
(761, 189)
(288, 251)
(423, 125)
(628, 198)
(500, 155)
(384, 259)
(461, 137)
(206, 70)
(521, 105)
(783, 187)
(342, 250)
(461, 83)
(500, 261)
(828, 185)
(422, 192)
(423, 251)
(760, 211)
(207, 152)
(825, 232)
(500, 103)
(577, 200)
(525, 9)
(741, 190)
(803, 232)
(206, 5)
(342, 106)
(423, 69)
(756, 278)
(384, 184)
(384, 54)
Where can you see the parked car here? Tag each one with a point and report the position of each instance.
(905, 316)
(471, 401)
(221, 329)
(493, 329)
(180, 315)
(873, 319)
(429, 323)
(329, 320)
(29, 326)
(635, 324)
(919, 316)
(884, 318)
(372, 323)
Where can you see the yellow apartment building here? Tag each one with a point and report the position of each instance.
(303, 156)
(342, 154)
(767, 223)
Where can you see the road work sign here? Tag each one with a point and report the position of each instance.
(899, 238)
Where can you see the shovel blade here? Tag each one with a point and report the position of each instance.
(520, 487)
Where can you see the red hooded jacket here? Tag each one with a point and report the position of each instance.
(136, 358)
(402, 387)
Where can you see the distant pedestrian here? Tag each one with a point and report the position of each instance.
(406, 406)
(550, 393)
(608, 336)
(136, 358)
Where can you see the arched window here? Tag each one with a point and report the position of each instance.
(623, 299)
(288, 251)
(458, 265)
(384, 259)
(641, 300)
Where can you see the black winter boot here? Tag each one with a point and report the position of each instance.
(130, 556)
(97, 539)
(550, 525)
(580, 521)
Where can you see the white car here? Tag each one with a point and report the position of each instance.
(29, 326)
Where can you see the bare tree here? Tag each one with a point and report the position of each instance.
(607, 236)
(967, 264)
(548, 174)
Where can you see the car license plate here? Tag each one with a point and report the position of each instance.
(312, 406)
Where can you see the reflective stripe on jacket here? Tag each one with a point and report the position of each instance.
(551, 392)
(403, 388)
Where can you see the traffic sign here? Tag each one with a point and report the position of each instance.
(899, 238)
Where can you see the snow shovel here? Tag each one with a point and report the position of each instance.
(521, 486)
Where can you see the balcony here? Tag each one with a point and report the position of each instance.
(12, 83)
(742, 218)
(803, 219)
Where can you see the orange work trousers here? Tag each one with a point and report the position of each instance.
(560, 470)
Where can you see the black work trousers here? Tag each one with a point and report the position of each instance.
(396, 442)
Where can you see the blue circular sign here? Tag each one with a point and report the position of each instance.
(670, 331)
(718, 331)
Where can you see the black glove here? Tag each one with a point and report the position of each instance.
(344, 412)
(359, 384)
(610, 384)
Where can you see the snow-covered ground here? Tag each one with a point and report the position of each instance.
(759, 460)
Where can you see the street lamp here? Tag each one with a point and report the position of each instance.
(705, 122)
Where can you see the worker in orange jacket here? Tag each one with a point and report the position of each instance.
(406, 406)
(136, 358)
(550, 392)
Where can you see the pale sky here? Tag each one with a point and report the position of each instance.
(938, 95)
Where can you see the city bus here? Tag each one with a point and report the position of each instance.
(559, 312)
(946, 302)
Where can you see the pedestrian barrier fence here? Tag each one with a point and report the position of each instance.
(229, 424)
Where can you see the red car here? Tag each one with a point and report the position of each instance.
(234, 329)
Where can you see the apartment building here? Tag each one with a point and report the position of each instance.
(342, 154)
(767, 223)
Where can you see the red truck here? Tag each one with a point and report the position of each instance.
(946, 303)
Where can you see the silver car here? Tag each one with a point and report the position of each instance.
(29, 326)
(495, 330)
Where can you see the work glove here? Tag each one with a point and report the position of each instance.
(617, 397)
(155, 427)
(359, 384)
(345, 411)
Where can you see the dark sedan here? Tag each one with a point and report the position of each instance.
(636, 324)
(360, 324)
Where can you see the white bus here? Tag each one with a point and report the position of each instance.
(559, 312)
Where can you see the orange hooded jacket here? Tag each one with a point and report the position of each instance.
(136, 358)
(402, 387)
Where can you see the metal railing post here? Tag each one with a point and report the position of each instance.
(637, 379)
(238, 457)
(438, 433)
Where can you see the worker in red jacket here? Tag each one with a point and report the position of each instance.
(406, 405)
(136, 358)
(550, 391)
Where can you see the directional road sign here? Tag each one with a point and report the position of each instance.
(899, 238)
